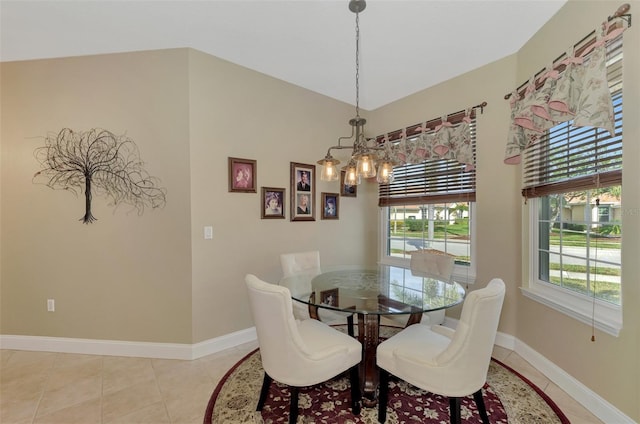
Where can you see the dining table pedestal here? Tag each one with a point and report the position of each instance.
(369, 336)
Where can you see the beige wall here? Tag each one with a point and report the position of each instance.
(497, 208)
(124, 277)
(610, 366)
(154, 278)
(240, 113)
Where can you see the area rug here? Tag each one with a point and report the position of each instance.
(509, 398)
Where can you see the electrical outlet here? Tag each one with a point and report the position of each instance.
(51, 305)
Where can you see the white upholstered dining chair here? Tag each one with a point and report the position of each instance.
(308, 263)
(429, 263)
(452, 363)
(300, 263)
(298, 353)
(433, 264)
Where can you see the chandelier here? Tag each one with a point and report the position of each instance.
(365, 158)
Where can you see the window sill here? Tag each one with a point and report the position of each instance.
(608, 318)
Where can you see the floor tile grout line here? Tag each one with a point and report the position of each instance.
(44, 388)
(162, 394)
(102, 371)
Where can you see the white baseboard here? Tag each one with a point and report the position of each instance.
(125, 348)
(574, 388)
(227, 341)
(582, 394)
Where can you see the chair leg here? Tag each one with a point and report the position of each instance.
(355, 389)
(383, 396)
(350, 325)
(454, 410)
(266, 382)
(293, 409)
(477, 396)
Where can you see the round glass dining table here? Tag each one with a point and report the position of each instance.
(371, 292)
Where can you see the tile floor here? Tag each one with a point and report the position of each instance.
(40, 387)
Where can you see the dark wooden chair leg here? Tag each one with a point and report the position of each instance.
(355, 389)
(293, 409)
(266, 382)
(477, 396)
(350, 325)
(454, 410)
(383, 396)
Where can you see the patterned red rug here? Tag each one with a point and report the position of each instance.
(509, 398)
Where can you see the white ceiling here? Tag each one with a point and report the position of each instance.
(406, 46)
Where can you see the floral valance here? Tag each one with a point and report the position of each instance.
(573, 89)
(445, 140)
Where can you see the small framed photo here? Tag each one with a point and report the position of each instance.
(330, 203)
(329, 297)
(347, 190)
(272, 203)
(303, 190)
(242, 175)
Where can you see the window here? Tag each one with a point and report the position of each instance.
(442, 226)
(575, 250)
(573, 180)
(430, 205)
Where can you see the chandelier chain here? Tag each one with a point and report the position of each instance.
(364, 158)
(357, 65)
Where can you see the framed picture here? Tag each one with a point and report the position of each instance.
(329, 297)
(242, 175)
(303, 190)
(347, 190)
(330, 204)
(272, 203)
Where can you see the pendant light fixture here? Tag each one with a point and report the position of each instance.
(364, 158)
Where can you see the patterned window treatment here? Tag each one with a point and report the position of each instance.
(447, 138)
(569, 158)
(435, 165)
(574, 89)
(446, 141)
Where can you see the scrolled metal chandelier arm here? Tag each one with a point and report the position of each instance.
(338, 146)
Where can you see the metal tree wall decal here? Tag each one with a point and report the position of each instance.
(101, 162)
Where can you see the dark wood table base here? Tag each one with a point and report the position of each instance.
(369, 336)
